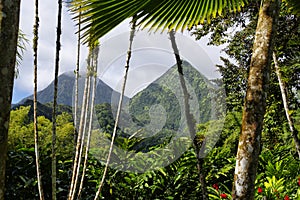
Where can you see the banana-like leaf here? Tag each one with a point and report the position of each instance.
(104, 15)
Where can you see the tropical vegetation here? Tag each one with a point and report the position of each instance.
(257, 154)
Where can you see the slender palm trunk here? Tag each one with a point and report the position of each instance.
(8, 49)
(132, 32)
(189, 117)
(76, 82)
(286, 108)
(255, 102)
(83, 134)
(77, 158)
(58, 45)
(36, 134)
(94, 71)
(76, 163)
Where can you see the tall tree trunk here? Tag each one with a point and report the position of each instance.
(36, 134)
(77, 159)
(83, 133)
(94, 71)
(132, 32)
(286, 107)
(58, 45)
(76, 81)
(255, 102)
(9, 27)
(189, 117)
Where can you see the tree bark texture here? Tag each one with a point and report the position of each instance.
(9, 27)
(255, 102)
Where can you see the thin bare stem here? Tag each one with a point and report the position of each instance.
(76, 81)
(95, 65)
(83, 135)
(76, 163)
(286, 107)
(36, 133)
(189, 117)
(54, 147)
(119, 107)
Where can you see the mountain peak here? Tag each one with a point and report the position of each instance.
(66, 83)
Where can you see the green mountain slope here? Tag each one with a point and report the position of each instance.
(156, 114)
(165, 97)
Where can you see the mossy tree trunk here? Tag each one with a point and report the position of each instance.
(255, 102)
(9, 27)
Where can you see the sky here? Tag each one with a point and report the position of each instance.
(152, 53)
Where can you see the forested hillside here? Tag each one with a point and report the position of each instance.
(181, 137)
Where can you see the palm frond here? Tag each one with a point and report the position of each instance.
(21, 48)
(104, 15)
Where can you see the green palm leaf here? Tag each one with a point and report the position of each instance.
(104, 15)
